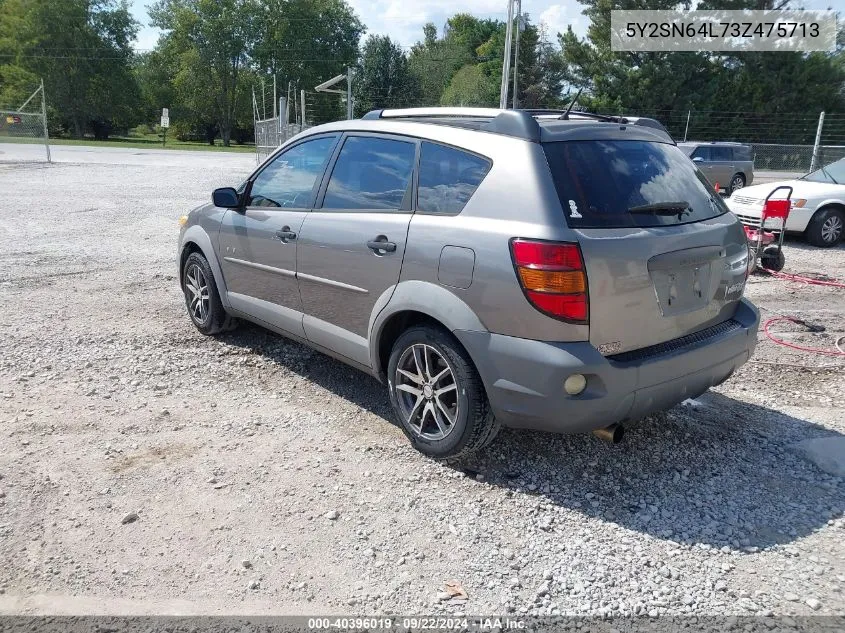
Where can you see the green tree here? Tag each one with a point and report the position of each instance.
(306, 42)
(212, 41)
(82, 49)
(383, 78)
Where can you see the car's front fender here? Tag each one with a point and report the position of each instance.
(196, 234)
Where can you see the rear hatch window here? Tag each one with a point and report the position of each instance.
(618, 184)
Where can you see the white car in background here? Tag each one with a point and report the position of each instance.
(818, 204)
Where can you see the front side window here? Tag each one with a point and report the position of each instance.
(614, 184)
(448, 178)
(289, 180)
(701, 152)
(720, 153)
(371, 173)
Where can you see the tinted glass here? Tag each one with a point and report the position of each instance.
(742, 153)
(701, 152)
(608, 184)
(720, 153)
(289, 180)
(448, 178)
(835, 173)
(370, 173)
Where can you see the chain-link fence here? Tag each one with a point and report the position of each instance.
(794, 158)
(26, 123)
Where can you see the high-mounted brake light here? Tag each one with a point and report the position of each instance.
(552, 277)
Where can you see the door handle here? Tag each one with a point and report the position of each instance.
(285, 234)
(381, 244)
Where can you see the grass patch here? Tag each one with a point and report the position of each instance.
(131, 142)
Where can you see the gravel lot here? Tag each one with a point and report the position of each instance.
(147, 469)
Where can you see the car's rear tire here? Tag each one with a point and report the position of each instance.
(202, 299)
(737, 182)
(437, 395)
(827, 227)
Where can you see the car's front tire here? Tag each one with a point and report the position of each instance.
(827, 227)
(437, 395)
(737, 182)
(202, 298)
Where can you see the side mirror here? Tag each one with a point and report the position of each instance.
(226, 198)
(698, 159)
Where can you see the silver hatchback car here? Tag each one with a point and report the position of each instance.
(552, 271)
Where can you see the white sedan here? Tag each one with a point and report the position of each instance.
(818, 204)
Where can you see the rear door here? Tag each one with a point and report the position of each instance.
(351, 246)
(721, 165)
(258, 243)
(663, 256)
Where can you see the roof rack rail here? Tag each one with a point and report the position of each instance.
(518, 123)
(507, 122)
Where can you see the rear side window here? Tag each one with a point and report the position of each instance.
(448, 178)
(742, 153)
(701, 152)
(371, 173)
(613, 184)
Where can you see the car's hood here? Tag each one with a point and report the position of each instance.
(800, 189)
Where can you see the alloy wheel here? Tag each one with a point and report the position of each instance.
(196, 290)
(737, 183)
(832, 229)
(427, 391)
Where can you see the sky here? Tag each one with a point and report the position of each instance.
(403, 20)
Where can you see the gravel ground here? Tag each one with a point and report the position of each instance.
(148, 469)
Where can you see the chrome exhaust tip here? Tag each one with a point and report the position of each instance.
(613, 433)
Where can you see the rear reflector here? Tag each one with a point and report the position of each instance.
(552, 277)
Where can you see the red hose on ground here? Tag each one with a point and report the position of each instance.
(773, 338)
(805, 280)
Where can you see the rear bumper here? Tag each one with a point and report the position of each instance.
(524, 378)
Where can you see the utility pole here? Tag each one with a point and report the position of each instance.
(516, 52)
(350, 112)
(506, 66)
(44, 121)
(817, 145)
(686, 129)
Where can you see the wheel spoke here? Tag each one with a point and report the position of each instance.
(415, 412)
(445, 411)
(437, 378)
(420, 362)
(441, 426)
(415, 378)
(408, 388)
(446, 389)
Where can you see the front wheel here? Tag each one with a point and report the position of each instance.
(827, 227)
(737, 182)
(437, 395)
(201, 297)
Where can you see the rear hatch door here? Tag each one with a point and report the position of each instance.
(664, 258)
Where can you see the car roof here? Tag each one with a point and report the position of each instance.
(529, 125)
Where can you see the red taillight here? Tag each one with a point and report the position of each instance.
(552, 277)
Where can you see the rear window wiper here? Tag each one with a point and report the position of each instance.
(663, 208)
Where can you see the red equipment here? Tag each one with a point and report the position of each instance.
(765, 241)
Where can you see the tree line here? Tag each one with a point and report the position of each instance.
(213, 53)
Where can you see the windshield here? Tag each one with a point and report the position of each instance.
(834, 173)
(612, 184)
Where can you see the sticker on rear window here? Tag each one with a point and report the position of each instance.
(573, 210)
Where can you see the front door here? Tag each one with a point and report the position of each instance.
(257, 244)
(351, 246)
